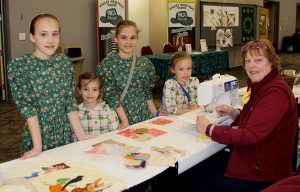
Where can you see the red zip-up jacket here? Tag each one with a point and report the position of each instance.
(264, 141)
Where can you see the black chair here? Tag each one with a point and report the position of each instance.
(287, 44)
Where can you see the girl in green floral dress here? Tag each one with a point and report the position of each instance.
(137, 105)
(42, 85)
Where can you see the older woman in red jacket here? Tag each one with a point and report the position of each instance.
(263, 133)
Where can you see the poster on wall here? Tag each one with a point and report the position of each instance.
(181, 29)
(220, 16)
(247, 24)
(109, 14)
(212, 16)
(230, 16)
(224, 38)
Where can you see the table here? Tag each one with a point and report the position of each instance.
(179, 134)
(204, 63)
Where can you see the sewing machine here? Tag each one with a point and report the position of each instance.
(222, 89)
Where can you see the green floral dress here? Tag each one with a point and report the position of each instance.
(44, 88)
(115, 71)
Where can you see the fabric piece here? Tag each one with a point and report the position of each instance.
(141, 133)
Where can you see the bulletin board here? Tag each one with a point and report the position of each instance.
(232, 18)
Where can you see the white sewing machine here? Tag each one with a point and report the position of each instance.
(221, 89)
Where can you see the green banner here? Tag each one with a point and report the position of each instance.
(247, 24)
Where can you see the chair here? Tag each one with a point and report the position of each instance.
(168, 48)
(146, 50)
(290, 184)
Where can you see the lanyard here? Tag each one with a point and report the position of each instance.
(184, 91)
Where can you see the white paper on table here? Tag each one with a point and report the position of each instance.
(213, 117)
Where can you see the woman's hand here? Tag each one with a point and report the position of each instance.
(227, 110)
(201, 124)
(32, 153)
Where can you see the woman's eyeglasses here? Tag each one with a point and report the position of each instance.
(254, 45)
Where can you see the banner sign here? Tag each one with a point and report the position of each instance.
(248, 24)
(181, 29)
(109, 14)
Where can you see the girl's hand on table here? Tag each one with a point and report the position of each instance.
(32, 153)
(86, 137)
(194, 106)
(123, 125)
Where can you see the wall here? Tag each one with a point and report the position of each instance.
(138, 11)
(78, 24)
(249, 2)
(158, 24)
(235, 56)
(159, 20)
(77, 19)
(298, 16)
(287, 19)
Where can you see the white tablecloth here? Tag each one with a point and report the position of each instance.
(179, 134)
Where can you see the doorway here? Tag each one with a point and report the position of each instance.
(298, 17)
(273, 28)
(3, 50)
